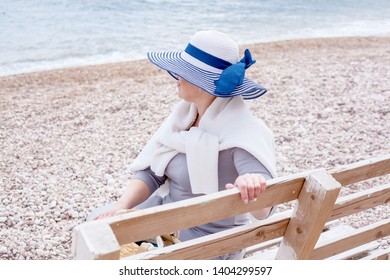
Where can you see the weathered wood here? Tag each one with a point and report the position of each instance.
(378, 255)
(352, 240)
(355, 253)
(344, 206)
(268, 254)
(262, 246)
(199, 210)
(330, 233)
(221, 243)
(361, 201)
(350, 204)
(147, 223)
(336, 229)
(226, 203)
(346, 255)
(315, 204)
(362, 170)
(94, 241)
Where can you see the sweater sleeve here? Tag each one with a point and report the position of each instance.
(247, 163)
(150, 178)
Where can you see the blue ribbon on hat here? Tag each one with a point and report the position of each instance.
(232, 74)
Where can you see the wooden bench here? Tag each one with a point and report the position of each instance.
(305, 232)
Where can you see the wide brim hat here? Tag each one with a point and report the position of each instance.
(211, 62)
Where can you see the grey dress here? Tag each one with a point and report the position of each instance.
(231, 164)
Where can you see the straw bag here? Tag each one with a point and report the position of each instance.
(138, 247)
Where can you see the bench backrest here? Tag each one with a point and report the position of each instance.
(299, 229)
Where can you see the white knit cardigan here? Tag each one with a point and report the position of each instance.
(227, 123)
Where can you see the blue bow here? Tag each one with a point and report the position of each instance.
(233, 75)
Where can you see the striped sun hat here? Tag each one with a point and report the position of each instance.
(211, 62)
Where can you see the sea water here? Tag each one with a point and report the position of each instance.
(45, 34)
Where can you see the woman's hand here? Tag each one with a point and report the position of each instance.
(250, 186)
(136, 192)
(110, 212)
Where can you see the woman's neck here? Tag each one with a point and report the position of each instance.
(202, 105)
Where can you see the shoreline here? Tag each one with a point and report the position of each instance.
(68, 135)
(277, 41)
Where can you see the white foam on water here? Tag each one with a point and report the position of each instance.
(44, 34)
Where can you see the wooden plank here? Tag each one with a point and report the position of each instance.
(94, 241)
(330, 232)
(360, 237)
(142, 224)
(377, 195)
(361, 201)
(221, 243)
(268, 254)
(355, 253)
(315, 204)
(270, 243)
(262, 246)
(362, 170)
(227, 203)
(344, 206)
(180, 215)
(352, 204)
(379, 254)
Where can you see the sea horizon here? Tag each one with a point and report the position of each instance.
(45, 35)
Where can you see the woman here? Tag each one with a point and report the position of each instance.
(211, 141)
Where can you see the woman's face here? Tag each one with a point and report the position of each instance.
(187, 91)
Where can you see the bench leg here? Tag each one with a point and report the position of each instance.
(94, 240)
(313, 209)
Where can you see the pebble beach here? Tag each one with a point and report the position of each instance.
(67, 136)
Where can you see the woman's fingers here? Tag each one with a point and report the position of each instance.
(106, 214)
(250, 186)
(229, 186)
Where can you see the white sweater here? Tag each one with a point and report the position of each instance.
(227, 123)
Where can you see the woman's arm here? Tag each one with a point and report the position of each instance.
(143, 184)
(251, 186)
(136, 193)
(251, 180)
